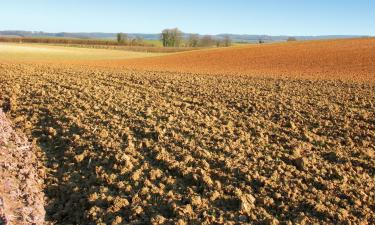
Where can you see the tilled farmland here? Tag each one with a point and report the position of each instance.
(137, 147)
(348, 59)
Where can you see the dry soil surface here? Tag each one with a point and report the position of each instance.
(21, 196)
(137, 147)
(350, 59)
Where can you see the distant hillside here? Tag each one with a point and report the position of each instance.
(234, 37)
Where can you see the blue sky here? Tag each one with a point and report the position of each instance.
(274, 17)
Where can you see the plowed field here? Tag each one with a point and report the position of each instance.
(338, 59)
(157, 147)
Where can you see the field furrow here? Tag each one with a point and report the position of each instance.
(130, 146)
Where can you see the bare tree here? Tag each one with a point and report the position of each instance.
(165, 37)
(207, 41)
(291, 39)
(218, 42)
(139, 40)
(171, 37)
(121, 37)
(177, 35)
(193, 40)
(227, 41)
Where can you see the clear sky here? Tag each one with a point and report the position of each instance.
(273, 17)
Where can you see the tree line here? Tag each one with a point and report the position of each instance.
(124, 39)
(169, 38)
(175, 38)
(78, 41)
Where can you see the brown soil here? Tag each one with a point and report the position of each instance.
(351, 59)
(135, 147)
(21, 196)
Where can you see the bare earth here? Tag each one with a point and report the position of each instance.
(146, 146)
(351, 59)
(21, 196)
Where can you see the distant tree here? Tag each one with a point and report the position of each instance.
(227, 41)
(171, 37)
(118, 37)
(218, 42)
(193, 40)
(121, 38)
(177, 36)
(261, 41)
(139, 40)
(165, 36)
(206, 41)
(133, 42)
(292, 39)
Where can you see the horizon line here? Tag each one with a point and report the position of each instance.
(243, 34)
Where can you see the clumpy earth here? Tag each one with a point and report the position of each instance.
(21, 196)
(138, 147)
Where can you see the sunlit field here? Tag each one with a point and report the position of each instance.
(206, 137)
(43, 52)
